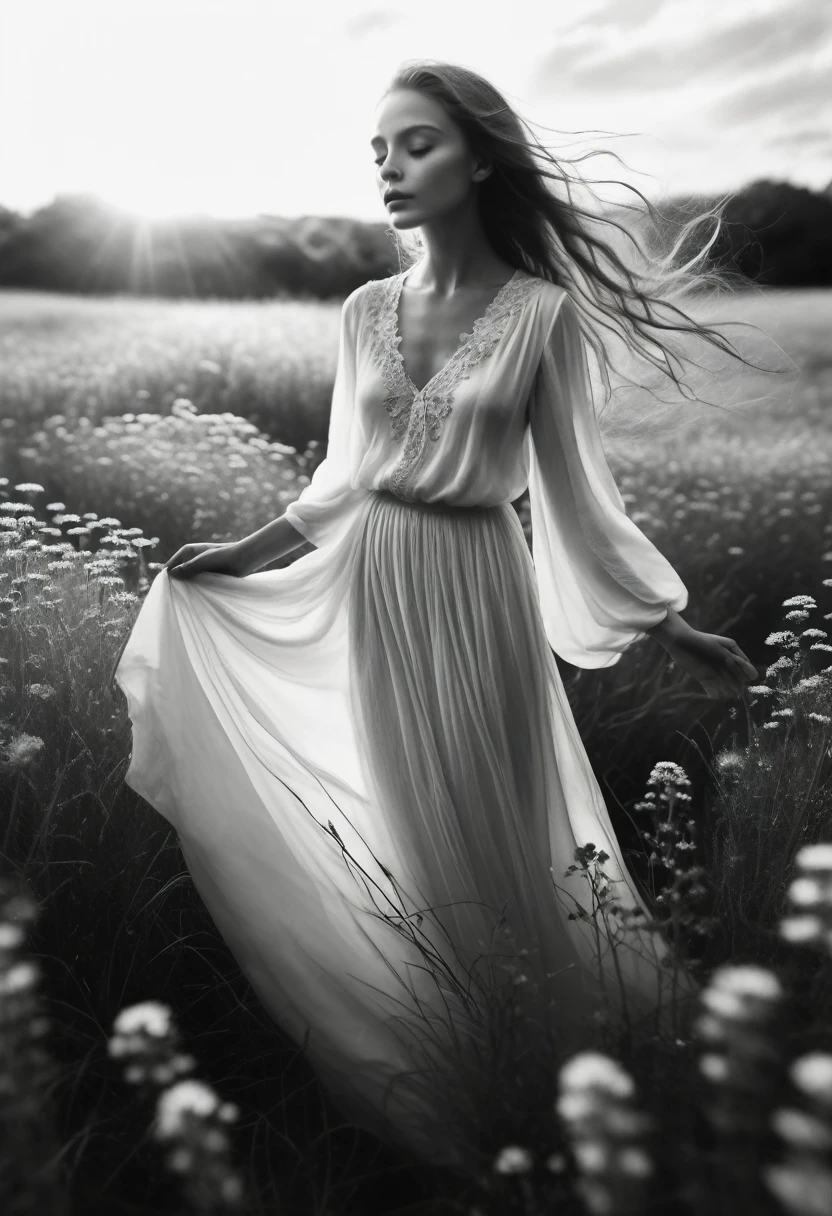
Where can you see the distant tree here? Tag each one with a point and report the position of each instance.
(772, 232)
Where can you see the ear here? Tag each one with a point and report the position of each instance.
(481, 172)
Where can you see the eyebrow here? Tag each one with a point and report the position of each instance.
(419, 126)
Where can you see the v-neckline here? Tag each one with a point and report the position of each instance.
(464, 338)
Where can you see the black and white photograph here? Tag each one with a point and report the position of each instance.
(415, 608)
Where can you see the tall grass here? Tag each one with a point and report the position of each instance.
(104, 941)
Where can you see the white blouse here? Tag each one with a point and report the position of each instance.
(511, 408)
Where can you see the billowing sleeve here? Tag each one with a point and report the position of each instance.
(602, 583)
(325, 508)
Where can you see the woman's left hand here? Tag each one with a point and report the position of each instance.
(716, 662)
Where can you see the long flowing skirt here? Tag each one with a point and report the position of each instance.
(378, 785)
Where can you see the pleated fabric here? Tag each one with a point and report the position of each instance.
(377, 782)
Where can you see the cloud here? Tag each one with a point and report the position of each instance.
(807, 137)
(801, 89)
(370, 22)
(592, 58)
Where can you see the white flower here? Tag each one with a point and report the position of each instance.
(149, 1016)
(183, 1097)
(748, 980)
(809, 682)
(724, 1004)
(814, 857)
(783, 637)
(576, 1105)
(18, 978)
(513, 1160)
(801, 1130)
(10, 935)
(22, 750)
(714, 1067)
(593, 1070)
(812, 1073)
(804, 1189)
(591, 1155)
(805, 891)
(634, 1161)
(800, 928)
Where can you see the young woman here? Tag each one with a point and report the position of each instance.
(380, 729)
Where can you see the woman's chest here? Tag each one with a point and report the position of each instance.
(430, 332)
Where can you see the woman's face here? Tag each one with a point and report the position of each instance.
(420, 151)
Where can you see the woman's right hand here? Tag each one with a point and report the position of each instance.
(201, 556)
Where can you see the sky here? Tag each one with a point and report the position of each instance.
(233, 108)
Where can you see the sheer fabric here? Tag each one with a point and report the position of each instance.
(369, 754)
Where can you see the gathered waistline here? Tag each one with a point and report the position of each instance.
(385, 495)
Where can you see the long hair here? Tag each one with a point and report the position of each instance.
(619, 283)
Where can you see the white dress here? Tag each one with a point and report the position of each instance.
(380, 728)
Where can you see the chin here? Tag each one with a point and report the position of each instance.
(399, 220)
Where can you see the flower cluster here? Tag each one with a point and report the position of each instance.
(31, 1151)
(607, 1135)
(189, 1115)
(802, 1179)
(810, 895)
(740, 1059)
(672, 844)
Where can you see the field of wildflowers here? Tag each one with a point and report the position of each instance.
(137, 1069)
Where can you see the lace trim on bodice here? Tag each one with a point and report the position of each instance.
(416, 413)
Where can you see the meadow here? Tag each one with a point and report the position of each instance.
(137, 1069)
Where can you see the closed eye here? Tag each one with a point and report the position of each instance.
(415, 152)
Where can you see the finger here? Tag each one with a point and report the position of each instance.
(743, 658)
(739, 663)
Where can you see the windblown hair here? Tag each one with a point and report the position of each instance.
(618, 283)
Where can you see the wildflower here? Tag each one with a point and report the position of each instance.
(800, 601)
(801, 1130)
(783, 637)
(808, 683)
(814, 857)
(42, 691)
(150, 1016)
(22, 750)
(29, 487)
(805, 891)
(513, 1160)
(727, 761)
(593, 1070)
(18, 978)
(760, 690)
(11, 936)
(801, 928)
(606, 1132)
(186, 1097)
(714, 1066)
(812, 1073)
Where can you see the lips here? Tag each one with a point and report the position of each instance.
(394, 195)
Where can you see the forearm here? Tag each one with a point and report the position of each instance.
(270, 542)
(669, 628)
